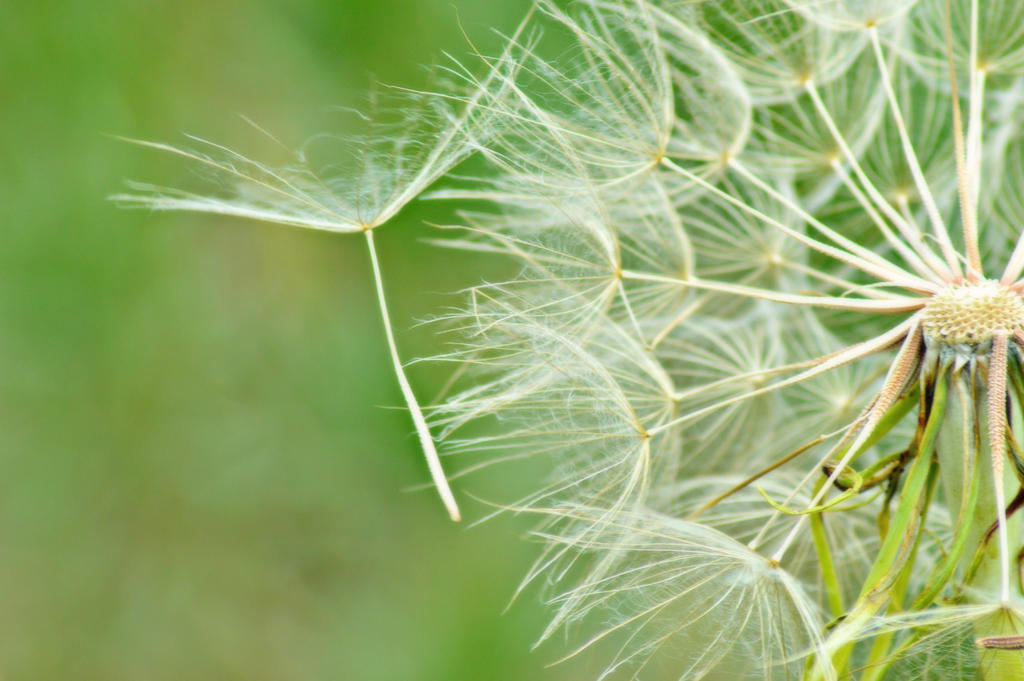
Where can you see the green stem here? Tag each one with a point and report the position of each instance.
(965, 454)
(880, 650)
(901, 539)
(896, 546)
(945, 569)
(828, 568)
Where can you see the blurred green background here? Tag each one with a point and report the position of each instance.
(199, 477)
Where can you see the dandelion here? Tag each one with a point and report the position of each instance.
(767, 333)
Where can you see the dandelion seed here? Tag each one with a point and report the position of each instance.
(341, 184)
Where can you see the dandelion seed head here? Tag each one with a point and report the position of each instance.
(972, 313)
(740, 230)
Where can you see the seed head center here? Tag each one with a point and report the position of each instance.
(972, 313)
